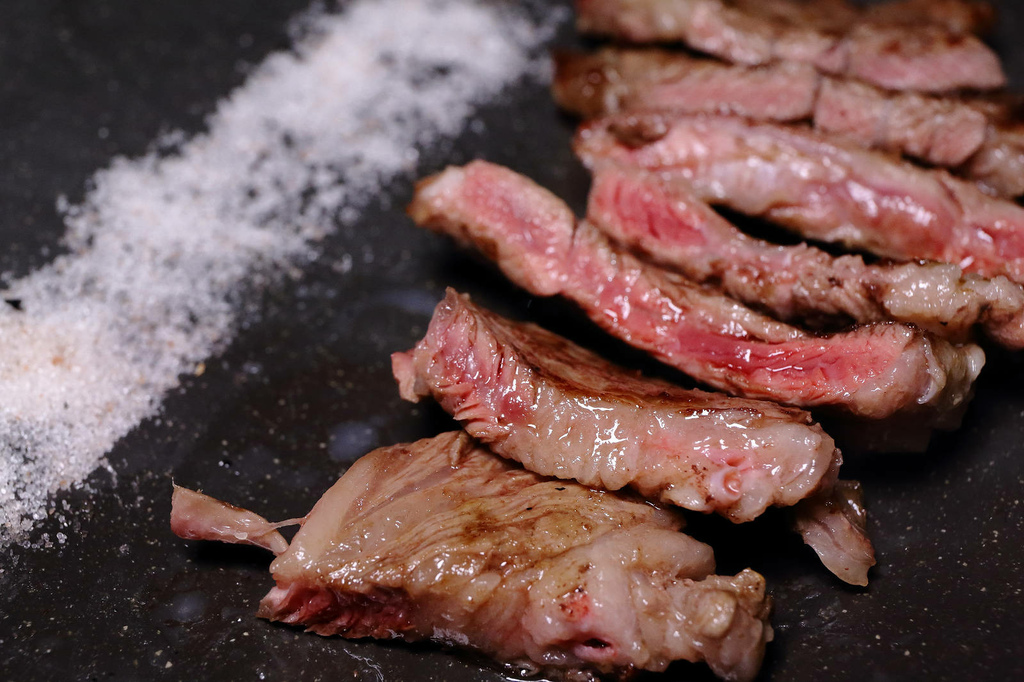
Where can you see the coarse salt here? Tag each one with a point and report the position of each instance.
(161, 246)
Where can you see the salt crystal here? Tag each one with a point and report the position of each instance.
(161, 245)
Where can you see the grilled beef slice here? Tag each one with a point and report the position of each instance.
(617, 79)
(874, 371)
(823, 188)
(664, 222)
(959, 16)
(944, 131)
(442, 540)
(998, 166)
(563, 411)
(979, 136)
(833, 36)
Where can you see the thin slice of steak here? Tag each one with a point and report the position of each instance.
(618, 79)
(563, 411)
(823, 188)
(979, 136)
(442, 540)
(666, 223)
(959, 16)
(835, 37)
(944, 131)
(874, 371)
(999, 165)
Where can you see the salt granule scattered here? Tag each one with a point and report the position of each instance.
(161, 246)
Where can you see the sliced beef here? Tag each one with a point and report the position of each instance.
(924, 59)
(563, 411)
(944, 131)
(442, 540)
(833, 36)
(959, 16)
(999, 165)
(833, 523)
(200, 517)
(823, 188)
(977, 135)
(616, 79)
(874, 371)
(666, 223)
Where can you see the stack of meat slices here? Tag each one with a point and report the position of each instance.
(548, 531)
(884, 371)
(573, 560)
(794, 113)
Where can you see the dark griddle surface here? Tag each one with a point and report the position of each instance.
(307, 387)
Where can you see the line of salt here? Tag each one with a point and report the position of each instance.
(161, 245)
